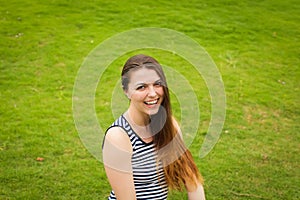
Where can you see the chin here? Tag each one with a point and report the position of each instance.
(153, 112)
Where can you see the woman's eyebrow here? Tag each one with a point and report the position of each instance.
(140, 83)
(144, 83)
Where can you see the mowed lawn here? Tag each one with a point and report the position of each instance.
(255, 45)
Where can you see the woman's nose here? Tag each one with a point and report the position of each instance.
(151, 92)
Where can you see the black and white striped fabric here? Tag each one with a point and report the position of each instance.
(148, 176)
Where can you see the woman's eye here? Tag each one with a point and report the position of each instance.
(140, 87)
(158, 84)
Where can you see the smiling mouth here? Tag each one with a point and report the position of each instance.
(152, 102)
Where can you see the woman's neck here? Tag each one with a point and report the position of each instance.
(138, 118)
(139, 122)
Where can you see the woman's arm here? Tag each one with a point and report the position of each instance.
(177, 127)
(197, 194)
(117, 153)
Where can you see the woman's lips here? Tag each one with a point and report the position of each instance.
(151, 102)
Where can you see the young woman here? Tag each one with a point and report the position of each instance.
(143, 151)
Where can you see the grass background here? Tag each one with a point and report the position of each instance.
(255, 45)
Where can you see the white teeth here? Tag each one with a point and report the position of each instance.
(151, 102)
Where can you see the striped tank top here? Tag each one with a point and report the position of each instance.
(149, 179)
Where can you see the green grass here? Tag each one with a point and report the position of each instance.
(255, 45)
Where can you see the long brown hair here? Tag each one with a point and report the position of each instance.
(178, 164)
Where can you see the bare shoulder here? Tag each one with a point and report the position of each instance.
(118, 137)
(176, 125)
(175, 122)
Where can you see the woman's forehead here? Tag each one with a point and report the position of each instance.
(143, 75)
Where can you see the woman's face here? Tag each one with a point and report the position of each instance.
(145, 90)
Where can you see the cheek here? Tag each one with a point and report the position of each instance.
(160, 91)
(138, 95)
